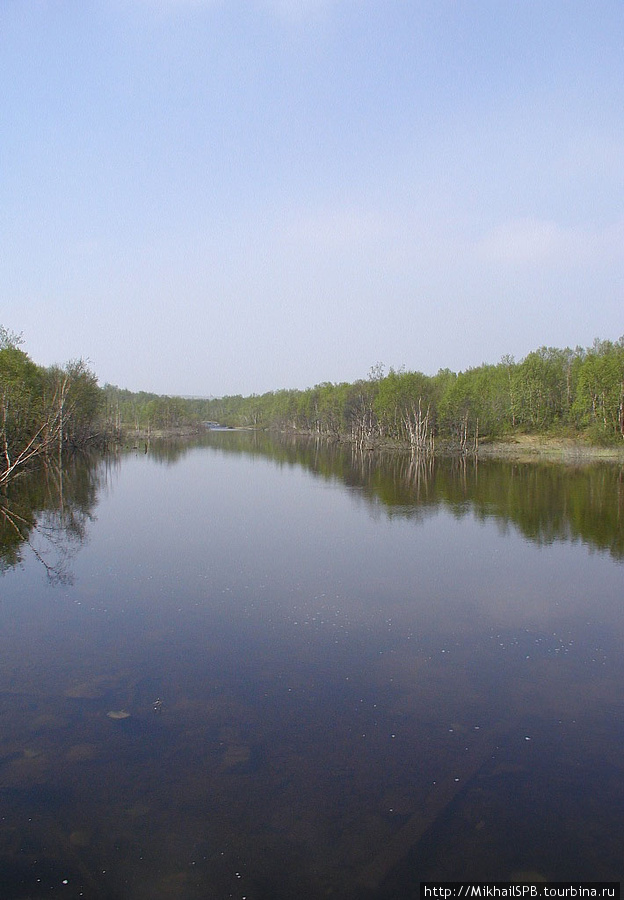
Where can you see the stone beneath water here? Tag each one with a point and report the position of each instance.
(82, 752)
(31, 753)
(80, 838)
(236, 755)
(526, 875)
(118, 714)
(89, 690)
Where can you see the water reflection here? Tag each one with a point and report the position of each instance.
(546, 501)
(47, 513)
(288, 670)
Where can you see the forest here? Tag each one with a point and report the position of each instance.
(579, 393)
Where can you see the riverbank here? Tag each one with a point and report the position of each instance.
(135, 437)
(530, 448)
(520, 447)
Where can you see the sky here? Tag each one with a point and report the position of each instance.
(210, 197)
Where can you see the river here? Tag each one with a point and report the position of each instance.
(278, 669)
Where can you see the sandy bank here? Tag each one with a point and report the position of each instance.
(530, 448)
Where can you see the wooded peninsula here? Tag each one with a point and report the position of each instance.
(577, 394)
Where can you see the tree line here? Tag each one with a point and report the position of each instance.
(49, 410)
(579, 391)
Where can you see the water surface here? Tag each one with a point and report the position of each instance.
(330, 674)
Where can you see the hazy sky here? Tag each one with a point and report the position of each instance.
(229, 196)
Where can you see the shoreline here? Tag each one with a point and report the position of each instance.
(523, 448)
(532, 448)
(519, 448)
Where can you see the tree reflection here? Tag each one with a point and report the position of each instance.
(545, 501)
(46, 513)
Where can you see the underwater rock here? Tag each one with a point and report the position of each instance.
(236, 755)
(527, 875)
(87, 690)
(31, 753)
(81, 752)
(80, 838)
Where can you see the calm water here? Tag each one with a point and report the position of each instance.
(262, 671)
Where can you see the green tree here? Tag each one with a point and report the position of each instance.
(403, 400)
(599, 400)
(9, 340)
(75, 399)
(545, 388)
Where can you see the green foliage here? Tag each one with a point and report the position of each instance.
(145, 411)
(579, 390)
(21, 395)
(42, 410)
(550, 388)
(545, 386)
(74, 391)
(599, 397)
(398, 397)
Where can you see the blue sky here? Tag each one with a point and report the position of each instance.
(211, 197)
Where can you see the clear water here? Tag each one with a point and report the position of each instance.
(330, 675)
